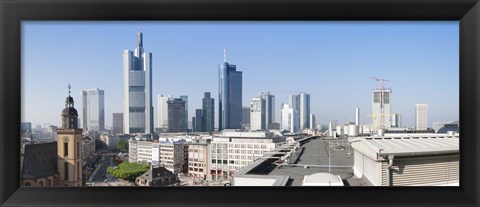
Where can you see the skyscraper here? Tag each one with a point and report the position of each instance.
(162, 111)
(230, 95)
(269, 108)
(313, 121)
(246, 115)
(117, 122)
(257, 114)
(137, 90)
(93, 109)
(185, 98)
(176, 115)
(198, 120)
(288, 118)
(208, 105)
(301, 104)
(381, 108)
(421, 116)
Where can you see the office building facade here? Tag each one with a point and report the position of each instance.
(198, 120)
(137, 91)
(162, 111)
(230, 96)
(176, 115)
(269, 108)
(208, 105)
(289, 118)
(117, 123)
(93, 109)
(185, 98)
(258, 114)
(421, 116)
(301, 104)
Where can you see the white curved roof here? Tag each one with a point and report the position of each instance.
(322, 179)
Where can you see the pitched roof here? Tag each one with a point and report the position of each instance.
(156, 173)
(40, 160)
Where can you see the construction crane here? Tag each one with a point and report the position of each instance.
(382, 102)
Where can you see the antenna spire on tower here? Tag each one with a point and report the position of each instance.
(69, 89)
(224, 55)
(138, 26)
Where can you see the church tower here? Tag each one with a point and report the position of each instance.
(69, 146)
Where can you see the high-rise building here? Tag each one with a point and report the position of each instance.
(421, 116)
(288, 118)
(162, 109)
(137, 90)
(269, 108)
(381, 108)
(301, 104)
(198, 120)
(208, 106)
(313, 121)
(93, 109)
(185, 98)
(117, 122)
(230, 96)
(246, 115)
(176, 115)
(357, 116)
(257, 114)
(396, 120)
(26, 127)
(69, 147)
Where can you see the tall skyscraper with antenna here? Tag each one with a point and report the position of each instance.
(137, 89)
(230, 95)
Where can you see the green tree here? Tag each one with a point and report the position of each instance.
(122, 145)
(128, 171)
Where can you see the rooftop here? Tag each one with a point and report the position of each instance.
(406, 145)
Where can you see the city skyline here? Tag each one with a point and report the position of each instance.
(422, 58)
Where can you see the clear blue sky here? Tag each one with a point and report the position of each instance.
(332, 61)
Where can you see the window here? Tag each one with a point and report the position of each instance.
(65, 149)
(78, 171)
(65, 170)
(40, 183)
(78, 149)
(28, 184)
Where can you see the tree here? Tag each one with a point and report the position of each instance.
(128, 171)
(122, 145)
(99, 145)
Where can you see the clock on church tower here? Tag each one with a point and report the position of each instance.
(69, 146)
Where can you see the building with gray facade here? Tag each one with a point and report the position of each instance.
(301, 104)
(176, 115)
(137, 90)
(269, 108)
(208, 105)
(198, 120)
(117, 122)
(93, 109)
(185, 98)
(230, 96)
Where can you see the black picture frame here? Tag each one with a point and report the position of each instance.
(13, 12)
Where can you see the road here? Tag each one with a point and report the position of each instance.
(100, 177)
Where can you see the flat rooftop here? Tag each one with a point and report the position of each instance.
(312, 157)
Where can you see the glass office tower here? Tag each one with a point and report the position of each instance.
(137, 93)
(230, 96)
(93, 109)
(208, 106)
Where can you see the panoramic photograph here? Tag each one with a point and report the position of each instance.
(239, 103)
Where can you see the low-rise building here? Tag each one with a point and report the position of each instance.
(157, 177)
(139, 151)
(234, 150)
(407, 159)
(110, 139)
(199, 160)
